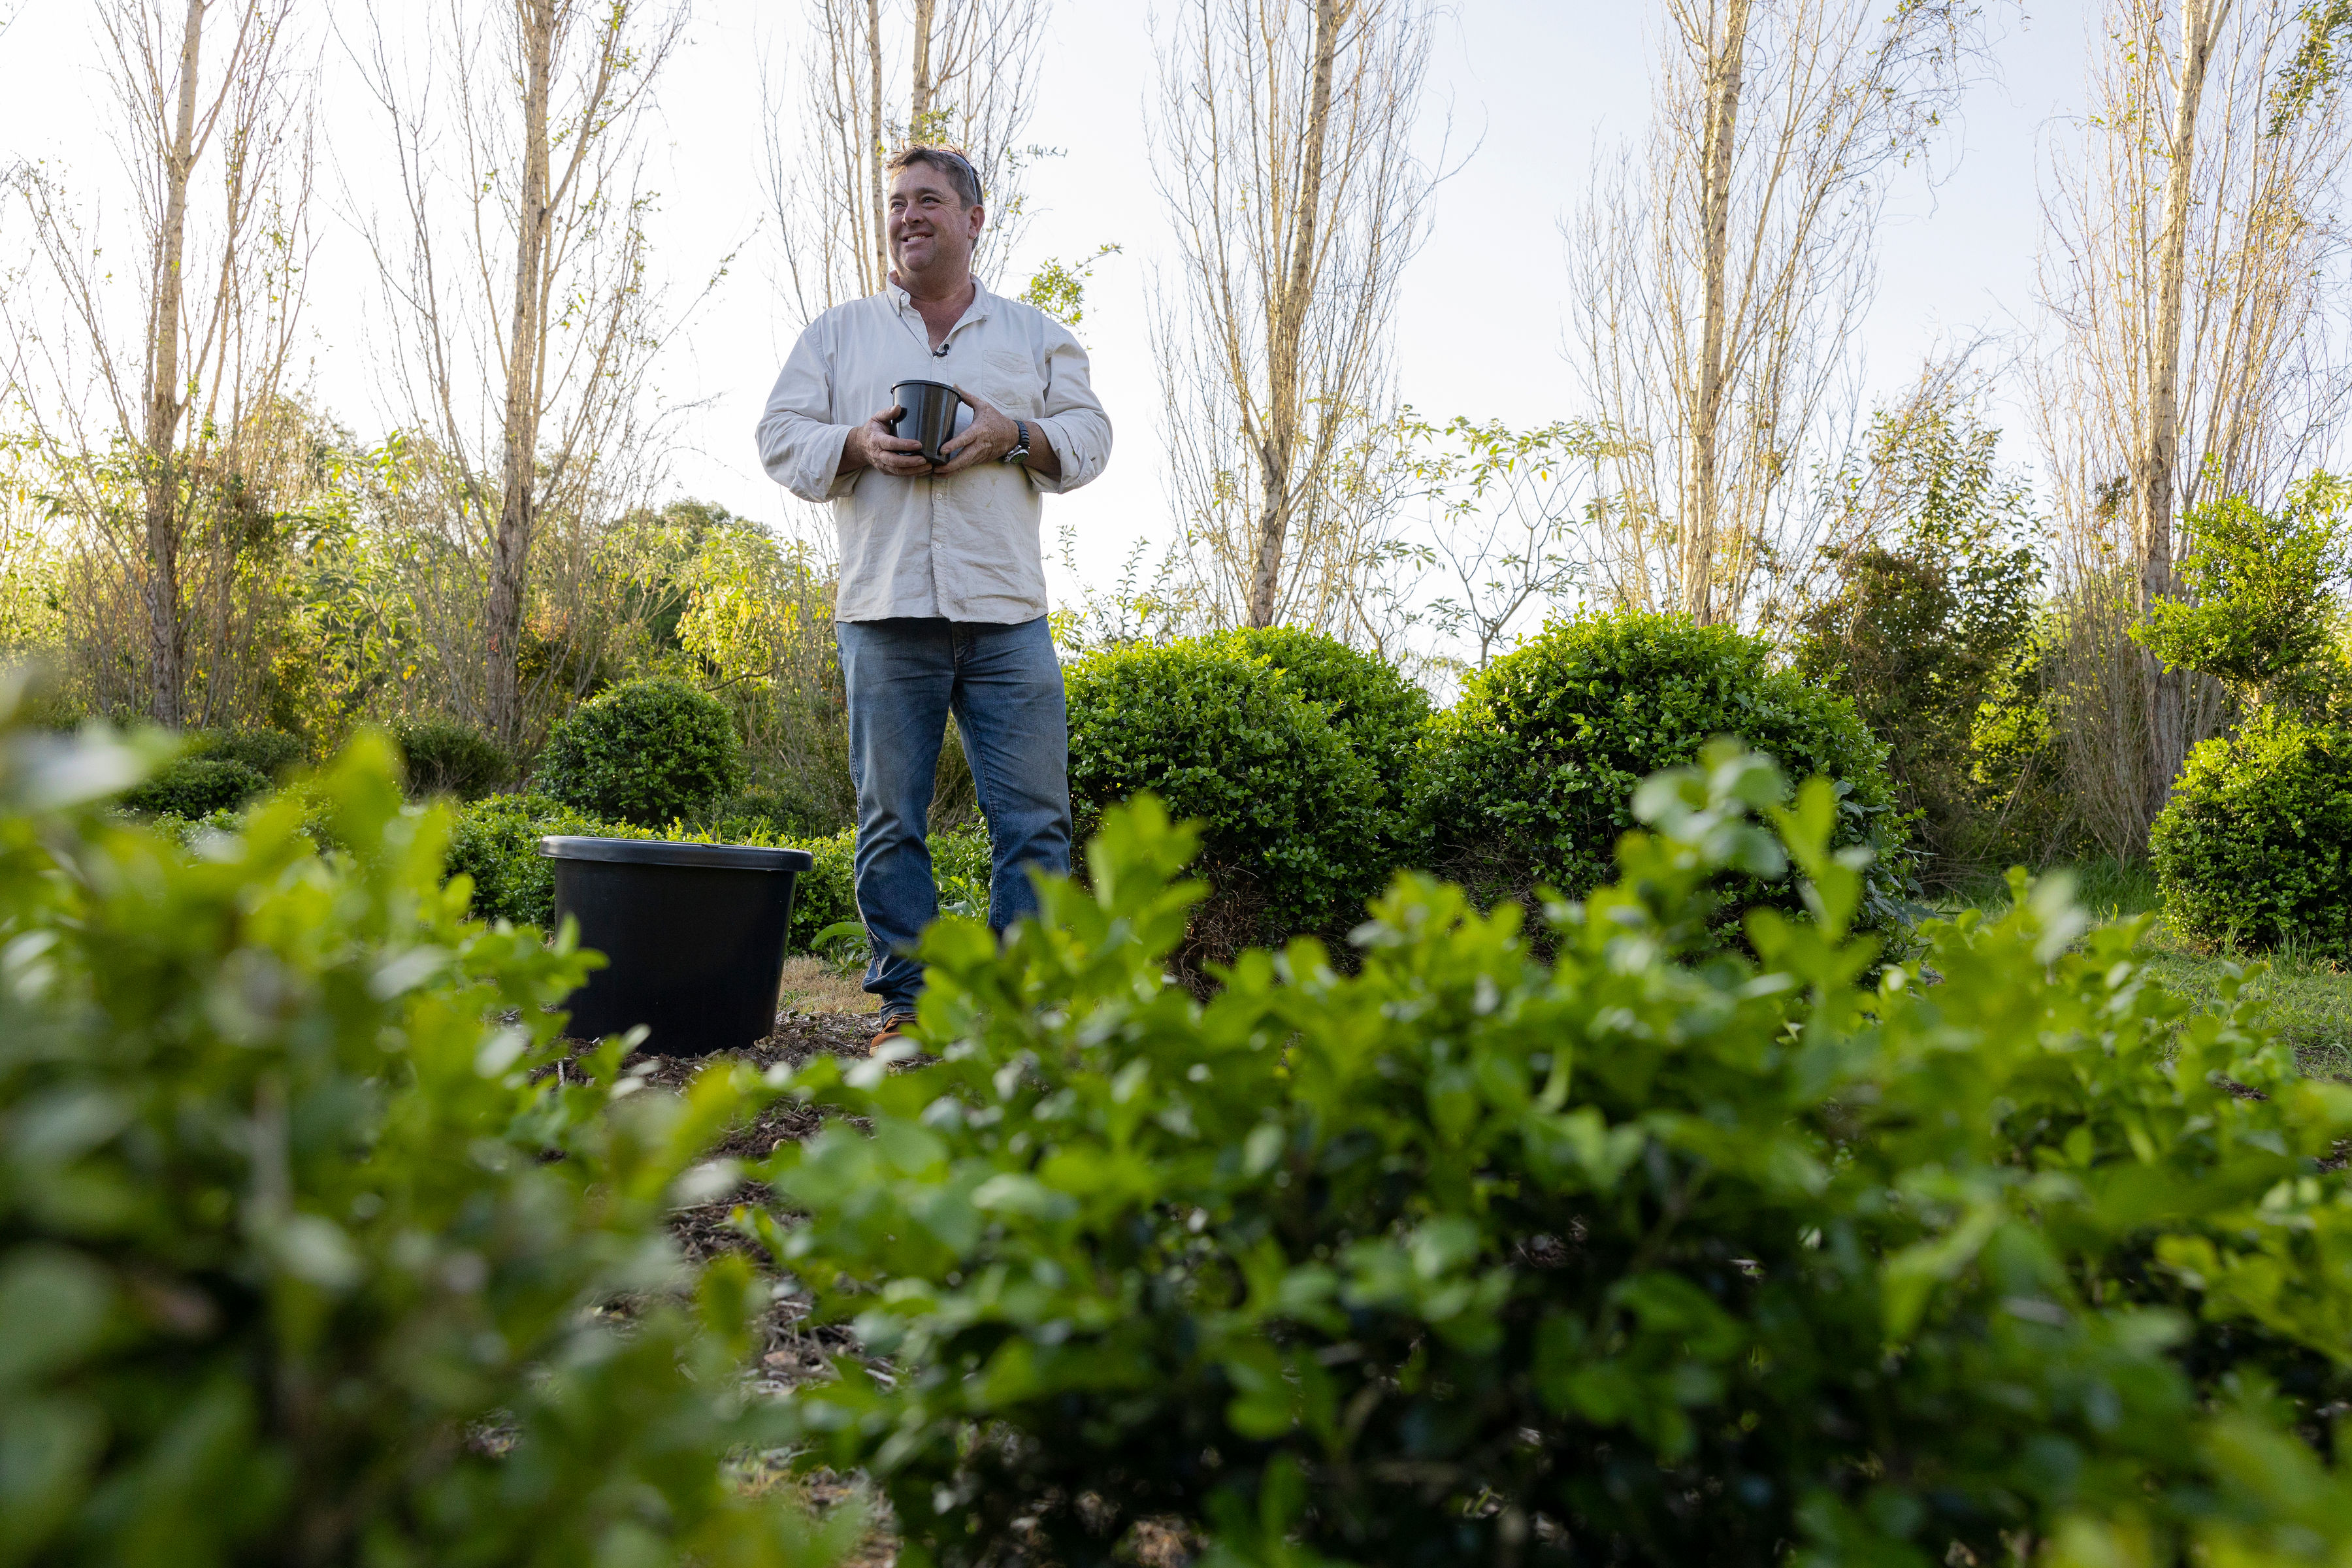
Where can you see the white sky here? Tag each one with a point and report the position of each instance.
(1542, 82)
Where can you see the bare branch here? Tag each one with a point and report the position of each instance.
(969, 71)
(1720, 270)
(215, 141)
(516, 277)
(2192, 270)
(1283, 145)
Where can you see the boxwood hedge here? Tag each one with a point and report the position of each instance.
(1374, 708)
(2254, 849)
(1529, 779)
(1299, 826)
(441, 756)
(196, 787)
(272, 754)
(645, 752)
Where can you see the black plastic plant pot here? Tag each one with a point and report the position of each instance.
(930, 417)
(693, 935)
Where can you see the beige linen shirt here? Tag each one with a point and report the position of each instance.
(965, 547)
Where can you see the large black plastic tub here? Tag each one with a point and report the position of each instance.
(694, 933)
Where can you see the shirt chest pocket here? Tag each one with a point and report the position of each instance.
(1008, 379)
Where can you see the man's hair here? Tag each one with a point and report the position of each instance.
(948, 161)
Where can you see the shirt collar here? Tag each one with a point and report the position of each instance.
(982, 302)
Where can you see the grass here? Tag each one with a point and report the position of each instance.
(814, 985)
(2309, 995)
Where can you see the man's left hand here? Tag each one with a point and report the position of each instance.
(988, 437)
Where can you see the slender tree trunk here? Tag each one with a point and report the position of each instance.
(164, 647)
(1285, 332)
(1702, 501)
(510, 547)
(874, 149)
(2200, 27)
(919, 112)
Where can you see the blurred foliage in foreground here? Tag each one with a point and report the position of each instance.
(299, 1262)
(1654, 1253)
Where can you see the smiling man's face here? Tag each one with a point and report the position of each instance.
(931, 231)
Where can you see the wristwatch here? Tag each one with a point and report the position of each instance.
(1020, 443)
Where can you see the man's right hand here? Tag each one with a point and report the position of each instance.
(872, 446)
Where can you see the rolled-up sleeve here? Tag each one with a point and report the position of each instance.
(1072, 419)
(799, 445)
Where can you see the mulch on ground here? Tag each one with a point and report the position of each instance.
(794, 1350)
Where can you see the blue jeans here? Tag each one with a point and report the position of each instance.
(1004, 684)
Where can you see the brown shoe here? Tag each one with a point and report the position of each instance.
(890, 1032)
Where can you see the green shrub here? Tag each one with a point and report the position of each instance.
(2257, 603)
(1529, 779)
(300, 1256)
(827, 892)
(495, 842)
(1926, 612)
(961, 868)
(782, 811)
(184, 831)
(2255, 846)
(441, 756)
(1648, 1255)
(272, 754)
(196, 787)
(1376, 709)
(215, 771)
(2017, 767)
(1292, 817)
(314, 819)
(647, 752)
(1378, 712)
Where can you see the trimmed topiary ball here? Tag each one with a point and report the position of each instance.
(1292, 816)
(2254, 849)
(196, 787)
(1379, 713)
(648, 752)
(1528, 781)
(441, 756)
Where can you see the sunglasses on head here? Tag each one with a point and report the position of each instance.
(969, 169)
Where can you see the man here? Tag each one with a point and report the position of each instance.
(941, 603)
